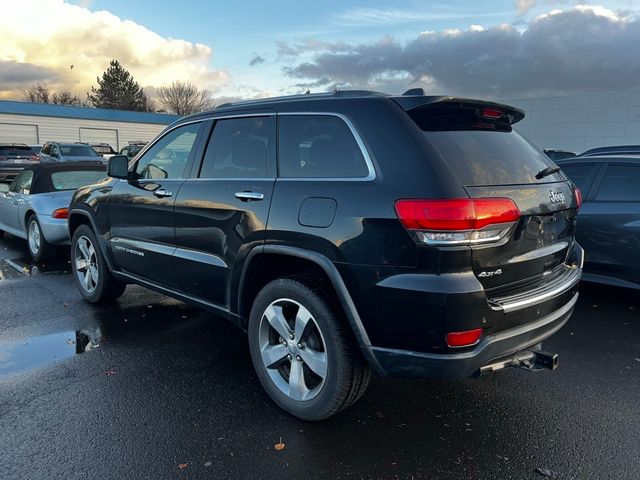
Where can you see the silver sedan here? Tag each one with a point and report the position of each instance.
(35, 205)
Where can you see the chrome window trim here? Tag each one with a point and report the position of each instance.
(242, 115)
(356, 135)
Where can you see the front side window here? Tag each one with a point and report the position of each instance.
(620, 184)
(318, 146)
(22, 183)
(239, 148)
(168, 157)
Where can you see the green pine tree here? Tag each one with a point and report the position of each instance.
(118, 90)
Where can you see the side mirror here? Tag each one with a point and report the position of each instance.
(4, 188)
(118, 167)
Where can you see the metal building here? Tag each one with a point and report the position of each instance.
(36, 123)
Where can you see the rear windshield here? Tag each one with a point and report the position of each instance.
(482, 151)
(76, 179)
(77, 151)
(16, 150)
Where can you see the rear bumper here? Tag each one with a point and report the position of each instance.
(405, 363)
(55, 230)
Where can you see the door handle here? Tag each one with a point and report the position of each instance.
(161, 192)
(249, 196)
(16, 202)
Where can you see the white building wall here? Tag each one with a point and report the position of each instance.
(580, 122)
(68, 129)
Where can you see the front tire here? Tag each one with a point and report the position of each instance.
(302, 352)
(90, 270)
(39, 248)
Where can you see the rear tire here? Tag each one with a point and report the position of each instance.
(38, 247)
(90, 270)
(303, 354)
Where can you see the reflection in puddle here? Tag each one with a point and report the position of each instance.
(39, 351)
(26, 266)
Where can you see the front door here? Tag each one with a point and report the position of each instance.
(609, 224)
(11, 201)
(222, 212)
(141, 210)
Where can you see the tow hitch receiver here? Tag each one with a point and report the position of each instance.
(531, 360)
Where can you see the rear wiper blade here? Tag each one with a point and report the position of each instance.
(546, 172)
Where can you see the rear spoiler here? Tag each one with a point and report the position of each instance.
(415, 99)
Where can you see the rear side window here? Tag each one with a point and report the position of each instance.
(481, 151)
(579, 174)
(620, 184)
(318, 146)
(239, 148)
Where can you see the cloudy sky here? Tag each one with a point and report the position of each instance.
(497, 49)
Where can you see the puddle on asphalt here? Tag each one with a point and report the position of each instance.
(26, 266)
(39, 351)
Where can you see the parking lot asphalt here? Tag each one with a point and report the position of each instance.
(153, 388)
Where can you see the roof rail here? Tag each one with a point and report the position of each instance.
(302, 96)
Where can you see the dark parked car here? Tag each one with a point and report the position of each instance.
(69, 152)
(414, 236)
(35, 205)
(13, 158)
(132, 149)
(555, 154)
(612, 150)
(609, 221)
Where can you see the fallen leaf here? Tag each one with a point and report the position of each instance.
(65, 305)
(545, 472)
(110, 372)
(182, 466)
(207, 464)
(279, 446)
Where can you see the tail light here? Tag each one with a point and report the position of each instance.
(493, 113)
(60, 213)
(578, 194)
(458, 221)
(34, 158)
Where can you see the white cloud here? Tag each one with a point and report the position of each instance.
(53, 35)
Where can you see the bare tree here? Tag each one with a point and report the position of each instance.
(37, 93)
(65, 97)
(183, 98)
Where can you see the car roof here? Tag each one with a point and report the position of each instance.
(600, 159)
(13, 145)
(409, 100)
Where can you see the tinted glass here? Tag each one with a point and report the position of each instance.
(579, 174)
(621, 183)
(22, 183)
(10, 150)
(482, 151)
(318, 146)
(103, 149)
(77, 151)
(168, 157)
(238, 148)
(75, 179)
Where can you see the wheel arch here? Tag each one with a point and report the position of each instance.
(77, 217)
(298, 261)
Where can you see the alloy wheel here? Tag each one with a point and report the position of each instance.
(86, 264)
(292, 349)
(34, 237)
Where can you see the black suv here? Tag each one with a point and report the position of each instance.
(414, 236)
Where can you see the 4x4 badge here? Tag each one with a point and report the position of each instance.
(491, 273)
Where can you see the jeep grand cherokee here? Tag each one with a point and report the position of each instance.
(412, 236)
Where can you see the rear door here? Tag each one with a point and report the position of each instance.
(609, 223)
(221, 212)
(490, 159)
